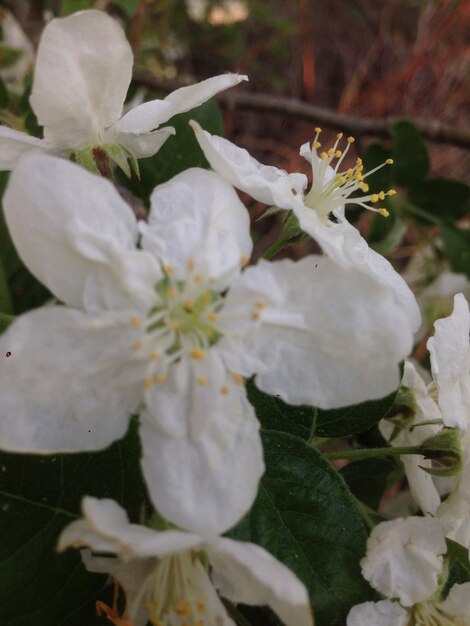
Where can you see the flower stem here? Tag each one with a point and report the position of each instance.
(371, 453)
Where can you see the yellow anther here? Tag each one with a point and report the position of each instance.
(316, 145)
(331, 151)
(359, 177)
(135, 321)
(391, 192)
(364, 187)
(190, 264)
(324, 156)
(160, 378)
(170, 292)
(238, 379)
(189, 304)
(148, 383)
(374, 197)
(350, 172)
(199, 623)
(244, 260)
(381, 195)
(168, 269)
(174, 324)
(342, 179)
(154, 356)
(202, 380)
(338, 153)
(198, 278)
(137, 345)
(255, 316)
(201, 607)
(318, 129)
(383, 212)
(182, 607)
(389, 161)
(198, 354)
(224, 392)
(351, 140)
(340, 135)
(213, 317)
(260, 304)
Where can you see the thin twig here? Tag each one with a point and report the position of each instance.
(291, 107)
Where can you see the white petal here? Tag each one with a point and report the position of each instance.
(88, 56)
(404, 558)
(70, 383)
(14, 144)
(454, 512)
(197, 217)
(383, 272)
(457, 603)
(327, 337)
(420, 482)
(382, 613)
(246, 573)
(105, 527)
(265, 183)
(202, 474)
(148, 116)
(77, 236)
(142, 145)
(450, 364)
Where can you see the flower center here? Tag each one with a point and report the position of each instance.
(175, 593)
(331, 188)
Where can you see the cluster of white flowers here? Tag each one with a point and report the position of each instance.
(164, 319)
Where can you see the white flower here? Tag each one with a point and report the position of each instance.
(89, 58)
(173, 327)
(449, 349)
(330, 191)
(15, 38)
(166, 576)
(417, 430)
(382, 613)
(404, 558)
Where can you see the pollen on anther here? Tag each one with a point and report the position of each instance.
(202, 380)
(238, 379)
(260, 304)
(317, 129)
(135, 321)
(244, 260)
(316, 145)
(389, 161)
(148, 383)
(169, 269)
(160, 378)
(383, 212)
(137, 345)
(340, 135)
(170, 292)
(190, 264)
(201, 607)
(154, 356)
(198, 278)
(213, 317)
(255, 316)
(182, 608)
(224, 390)
(198, 354)
(351, 140)
(189, 304)
(174, 324)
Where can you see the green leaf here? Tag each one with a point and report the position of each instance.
(369, 478)
(5, 298)
(374, 156)
(410, 157)
(459, 569)
(5, 321)
(128, 5)
(179, 152)
(457, 247)
(448, 199)
(307, 518)
(39, 495)
(71, 6)
(306, 422)
(353, 419)
(4, 97)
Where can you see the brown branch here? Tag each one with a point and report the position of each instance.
(290, 107)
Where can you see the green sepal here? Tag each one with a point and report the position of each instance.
(123, 158)
(5, 321)
(86, 159)
(445, 450)
(290, 233)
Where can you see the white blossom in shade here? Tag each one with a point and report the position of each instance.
(173, 577)
(449, 349)
(404, 558)
(14, 37)
(382, 613)
(87, 54)
(171, 328)
(320, 210)
(457, 605)
(413, 433)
